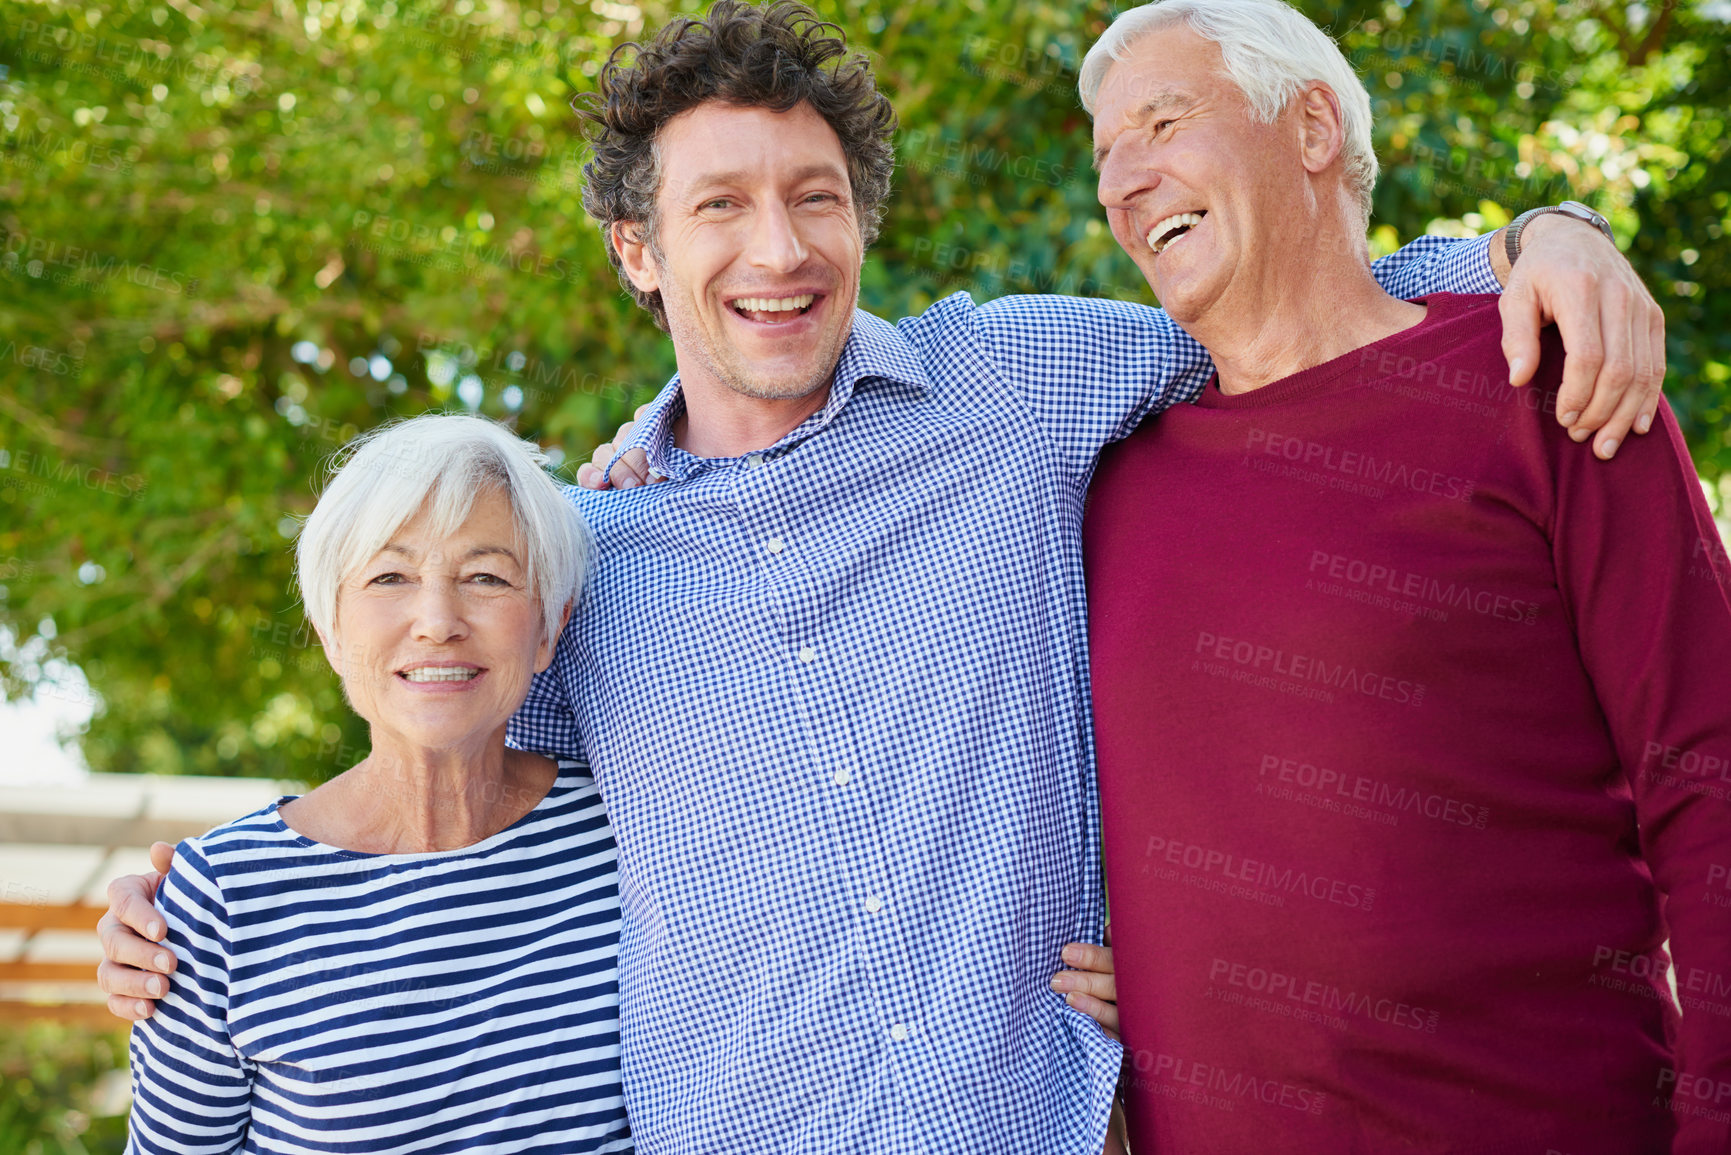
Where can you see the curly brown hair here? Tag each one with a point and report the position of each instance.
(772, 56)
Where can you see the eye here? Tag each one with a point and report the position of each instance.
(489, 579)
(387, 579)
(821, 197)
(719, 203)
(1160, 126)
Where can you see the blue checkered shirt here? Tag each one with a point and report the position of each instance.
(835, 695)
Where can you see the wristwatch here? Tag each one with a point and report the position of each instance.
(1512, 237)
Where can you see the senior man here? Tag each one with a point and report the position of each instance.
(1393, 839)
(842, 727)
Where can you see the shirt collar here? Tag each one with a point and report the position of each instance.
(875, 351)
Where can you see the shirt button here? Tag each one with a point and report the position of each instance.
(874, 904)
(808, 655)
(754, 460)
(774, 545)
(899, 1033)
(842, 777)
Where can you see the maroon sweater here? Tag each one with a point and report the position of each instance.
(1415, 747)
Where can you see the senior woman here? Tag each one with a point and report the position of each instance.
(418, 955)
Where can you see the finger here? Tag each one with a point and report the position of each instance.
(161, 856)
(631, 469)
(1103, 1013)
(132, 1010)
(129, 982)
(121, 944)
(602, 455)
(637, 414)
(1085, 956)
(591, 477)
(1655, 384)
(1617, 372)
(129, 900)
(1583, 354)
(1615, 431)
(1099, 986)
(1523, 317)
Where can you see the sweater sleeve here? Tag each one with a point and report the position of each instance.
(1642, 568)
(192, 1090)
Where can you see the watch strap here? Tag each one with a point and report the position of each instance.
(1512, 235)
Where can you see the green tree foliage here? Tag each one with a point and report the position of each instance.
(58, 1093)
(231, 235)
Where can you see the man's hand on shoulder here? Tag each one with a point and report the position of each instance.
(631, 470)
(135, 965)
(1613, 330)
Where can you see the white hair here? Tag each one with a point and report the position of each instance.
(1271, 51)
(383, 478)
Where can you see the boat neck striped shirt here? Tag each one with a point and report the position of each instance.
(328, 1000)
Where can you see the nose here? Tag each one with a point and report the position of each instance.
(438, 614)
(1126, 174)
(776, 245)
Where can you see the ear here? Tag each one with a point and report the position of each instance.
(333, 649)
(634, 255)
(1321, 125)
(544, 651)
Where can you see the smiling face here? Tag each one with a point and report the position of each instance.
(760, 249)
(436, 639)
(1204, 198)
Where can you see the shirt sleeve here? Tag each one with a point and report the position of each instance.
(191, 1089)
(1438, 265)
(1089, 371)
(545, 722)
(1642, 568)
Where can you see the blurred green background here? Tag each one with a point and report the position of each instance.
(232, 235)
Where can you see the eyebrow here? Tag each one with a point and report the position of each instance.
(821, 169)
(1161, 101)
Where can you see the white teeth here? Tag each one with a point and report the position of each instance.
(441, 673)
(1178, 220)
(774, 304)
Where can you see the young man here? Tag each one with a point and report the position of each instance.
(842, 729)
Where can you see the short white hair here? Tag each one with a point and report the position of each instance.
(1271, 51)
(441, 462)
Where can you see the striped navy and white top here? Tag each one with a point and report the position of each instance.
(448, 1001)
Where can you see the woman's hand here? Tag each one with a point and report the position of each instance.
(1091, 986)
